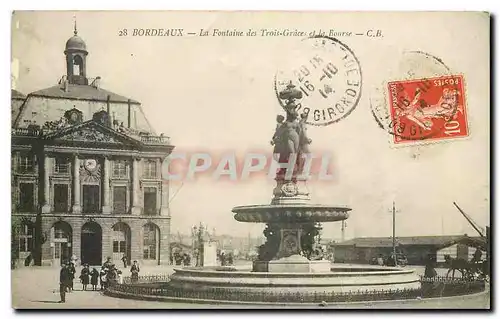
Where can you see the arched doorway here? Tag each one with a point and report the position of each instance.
(151, 243)
(121, 238)
(91, 244)
(61, 238)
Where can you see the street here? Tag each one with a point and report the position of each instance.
(37, 288)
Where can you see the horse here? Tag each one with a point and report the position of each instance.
(456, 264)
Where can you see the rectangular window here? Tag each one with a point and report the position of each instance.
(26, 197)
(26, 164)
(122, 246)
(150, 169)
(91, 199)
(119, 246)
(120, 199)
(120, 169)
(150, 201)
(62, 165)
(26, 238)
(149, 251)
(61, 198)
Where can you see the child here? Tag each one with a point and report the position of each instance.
(94, 277)
(84, 276)
(103, 276)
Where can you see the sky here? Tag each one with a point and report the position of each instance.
(215, 94)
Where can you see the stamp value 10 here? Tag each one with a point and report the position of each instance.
(427, 109)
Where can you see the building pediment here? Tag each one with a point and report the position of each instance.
(91, 132)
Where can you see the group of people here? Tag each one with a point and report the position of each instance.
(108, 274)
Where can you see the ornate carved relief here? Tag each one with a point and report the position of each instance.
(88, 134)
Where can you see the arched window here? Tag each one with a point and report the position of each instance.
(77, 65)
(151, 240)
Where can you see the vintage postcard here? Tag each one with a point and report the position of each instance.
(250, 159)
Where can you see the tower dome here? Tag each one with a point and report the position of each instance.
(75, 43)
(76, 56)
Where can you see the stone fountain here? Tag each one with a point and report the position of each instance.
(290, 212)
(286, 267)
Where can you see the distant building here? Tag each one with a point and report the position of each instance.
(86, 173)
(416, 249)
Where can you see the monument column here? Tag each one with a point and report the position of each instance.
(77, 208)
(46, 208)
(106, 208)
(136, 207)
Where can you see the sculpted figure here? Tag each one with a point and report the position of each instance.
(290, 136)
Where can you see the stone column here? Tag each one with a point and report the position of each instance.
(136, 206)
(77, 208)
(106, 208)
(165, 194)
(47, 161)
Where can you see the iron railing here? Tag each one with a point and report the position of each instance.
(157, 285)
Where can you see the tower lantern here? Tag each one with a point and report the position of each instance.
(76, 56)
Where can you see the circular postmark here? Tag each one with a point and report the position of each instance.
(423, 100)
(327, 73)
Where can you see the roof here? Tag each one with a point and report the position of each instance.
(76, 43)
(403, 241)
(81, 92)
(16, 94)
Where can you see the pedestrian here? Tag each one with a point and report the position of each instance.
(94, 277)
(72, 272)
(73, 259)
(120, 276)
(63, 281)
(108, 263)
(84, 276)
(111, 275)
(103, 277)
(124, 259)
(135, 272)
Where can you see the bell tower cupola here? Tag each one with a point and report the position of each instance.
(76, 59)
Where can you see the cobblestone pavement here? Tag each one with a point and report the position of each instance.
(37, 288)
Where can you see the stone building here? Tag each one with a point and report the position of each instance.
(87, 173)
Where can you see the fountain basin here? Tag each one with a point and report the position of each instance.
(290, 213)
(339, 280)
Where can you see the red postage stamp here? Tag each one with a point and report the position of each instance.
(428, 109)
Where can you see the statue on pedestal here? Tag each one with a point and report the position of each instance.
(290, 139)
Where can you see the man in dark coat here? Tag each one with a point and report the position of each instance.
(72, 271)
(125, 261)
(63, 281)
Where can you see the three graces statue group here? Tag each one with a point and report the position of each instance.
(291, 132)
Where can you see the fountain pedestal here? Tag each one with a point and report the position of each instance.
(298, 264)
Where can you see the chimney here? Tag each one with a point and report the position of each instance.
(107, 104)
(129, 113)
